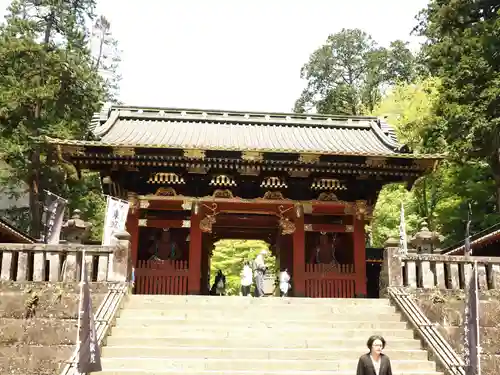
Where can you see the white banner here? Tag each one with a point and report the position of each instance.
(115, 219)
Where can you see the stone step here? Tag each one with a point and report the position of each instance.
(330, 343)
(258, 372)
(263, 365)
(337, 353)
(279, 324)
(275, 308)
(239, 300)
(291, 314)
(264, 334)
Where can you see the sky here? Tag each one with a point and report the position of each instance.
(236, 54)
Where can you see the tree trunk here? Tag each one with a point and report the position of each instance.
(34, 172)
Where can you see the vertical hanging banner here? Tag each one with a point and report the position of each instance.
(115, 219)
(89, 353)
(52, 218)
(403, 241)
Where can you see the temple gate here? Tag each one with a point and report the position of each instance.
(306, 184)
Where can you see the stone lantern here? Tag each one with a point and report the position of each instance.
(391, 242)
(425, 241)
(75, 229)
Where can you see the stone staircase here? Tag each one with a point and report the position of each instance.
(200, 335)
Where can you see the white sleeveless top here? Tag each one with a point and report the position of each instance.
(376, 364)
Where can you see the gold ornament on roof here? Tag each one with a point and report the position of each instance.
(222, 180)
(166, 179)
(274, 183)
(327, 184)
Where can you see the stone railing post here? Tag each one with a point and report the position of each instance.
(120, 261)
(390, 275)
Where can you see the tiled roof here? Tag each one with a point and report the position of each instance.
(478, 240)
(240, 131)
(11, 231)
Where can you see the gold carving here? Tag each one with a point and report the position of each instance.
(327, 184)
(298, 210)
(194, 154)
(186, 223)
(143, 203)
(308, 208)
(309, 158)
(301, 173)
(330, 197)
(361, 209)
(273, 183)
(124, 151)
(166, 192)
(166, 178)
(187, 205)
(287, 227)
(132, 198)
(143, 222)
(377, 162)
(349, 228)
(273, 195)
(252, 156)
(308, 227)
(222, 180)
(206, 223)
(226, 193)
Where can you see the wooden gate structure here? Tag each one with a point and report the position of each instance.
(304, 183)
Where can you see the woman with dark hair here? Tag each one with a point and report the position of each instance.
(374, 362)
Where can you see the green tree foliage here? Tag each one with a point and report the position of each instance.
(463, 40)
(51, 86)
(348, 74)
(229, 256)
(441, 197)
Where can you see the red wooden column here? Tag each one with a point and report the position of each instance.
(359, 254)
(195, 252)
(132, 226)
(299, 256)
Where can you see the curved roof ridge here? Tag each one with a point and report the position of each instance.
(385, 138)
(388, 129)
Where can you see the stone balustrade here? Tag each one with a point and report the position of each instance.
(433, 271)
(63, 262)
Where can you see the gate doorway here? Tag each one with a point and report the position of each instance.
(229, 256)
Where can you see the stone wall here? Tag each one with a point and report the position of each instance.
(446, 308)
(38, 325)
(64, 262)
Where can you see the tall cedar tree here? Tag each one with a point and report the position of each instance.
(348, 74)
(462, 49)
(49, 88)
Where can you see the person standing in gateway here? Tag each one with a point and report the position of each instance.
(259, 271)
(246, 279)
(374, 362)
